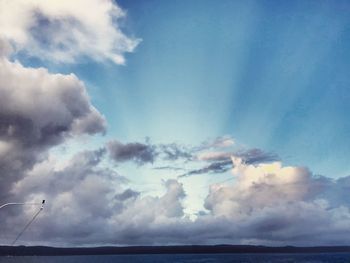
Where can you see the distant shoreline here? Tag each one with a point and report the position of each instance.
(195, 249)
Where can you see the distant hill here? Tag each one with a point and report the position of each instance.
(57, 251)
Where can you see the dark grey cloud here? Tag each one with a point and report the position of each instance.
(169, 167)
(220, 162)
(255, 155)
(127, 194)
(142, 153)
(138, 152)
(148, 153)
(214, 167)
(44, 111)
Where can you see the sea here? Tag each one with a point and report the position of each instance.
(185, 258)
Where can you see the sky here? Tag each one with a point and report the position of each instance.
(175, 122)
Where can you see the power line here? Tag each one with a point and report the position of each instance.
(8, 204)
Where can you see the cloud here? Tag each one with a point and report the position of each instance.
(265, 204)
(64, 31)
(255, 155)
(281, 205)
(215, 167)
(168, 167)
(142, 153)
(100, 206)
(249, 156)
(5, 48)
(220, 162)
(39, 110)
(214, 156)
(218, 142)
(82, 191)
(173, 152)
(260, 185)
(127, 194)
(138, 152)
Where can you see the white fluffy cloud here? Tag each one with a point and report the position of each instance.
(260, 186)
(63, 31)
(50, 101)
(273, 204)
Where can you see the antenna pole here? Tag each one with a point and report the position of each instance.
(30, 222)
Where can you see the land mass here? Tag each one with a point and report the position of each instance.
(196, 249)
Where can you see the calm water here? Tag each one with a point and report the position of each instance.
(183, 258)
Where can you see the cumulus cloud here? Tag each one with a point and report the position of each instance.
(64, 31)
(39, 110)
(80, 191)
(281, 205)
(5, 48)
(100, 206)
(260, 185)
(265, 204)
(56, 104)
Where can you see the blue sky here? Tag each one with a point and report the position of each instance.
(154, 97)
(271, 74)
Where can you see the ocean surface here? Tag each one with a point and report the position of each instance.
(187, 258)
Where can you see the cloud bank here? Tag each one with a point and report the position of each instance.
(266, 203)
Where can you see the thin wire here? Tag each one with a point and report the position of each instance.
(1, 206)
(27, 225)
